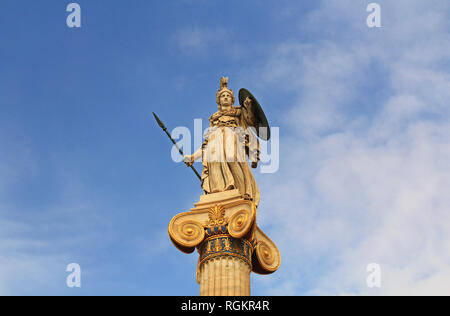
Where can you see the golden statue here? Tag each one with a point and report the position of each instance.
(222, 225)
(227, 144)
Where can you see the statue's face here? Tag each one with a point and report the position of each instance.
(226, 99)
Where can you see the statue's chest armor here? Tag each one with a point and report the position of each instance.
(225, 119)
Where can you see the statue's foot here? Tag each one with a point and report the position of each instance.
(247, 197)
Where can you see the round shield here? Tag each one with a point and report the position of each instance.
(263, 128)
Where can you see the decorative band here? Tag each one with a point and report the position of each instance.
(225, 245)
(232, 255)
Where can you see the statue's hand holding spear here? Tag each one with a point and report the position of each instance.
(188, 160)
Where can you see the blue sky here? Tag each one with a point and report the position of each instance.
(86, 175)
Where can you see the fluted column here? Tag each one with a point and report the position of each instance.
(224, 266)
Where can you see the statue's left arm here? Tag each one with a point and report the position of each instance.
(251, 141)
(247, 113)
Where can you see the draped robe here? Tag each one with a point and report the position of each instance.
(228, 142)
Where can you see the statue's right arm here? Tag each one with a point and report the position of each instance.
(197, 154)
(190, 159)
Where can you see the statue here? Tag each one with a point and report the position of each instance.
(228, 142)
(222, 225)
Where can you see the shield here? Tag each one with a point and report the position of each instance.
(263, 128)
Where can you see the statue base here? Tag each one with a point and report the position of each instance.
(222, 227)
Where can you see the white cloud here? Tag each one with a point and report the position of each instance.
(37, 242)
(362, 184)
(197, 40)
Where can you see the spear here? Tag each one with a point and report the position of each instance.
(161, 124)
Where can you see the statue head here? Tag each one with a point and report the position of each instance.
(225, 97)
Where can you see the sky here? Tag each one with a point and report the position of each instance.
(86, 175)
